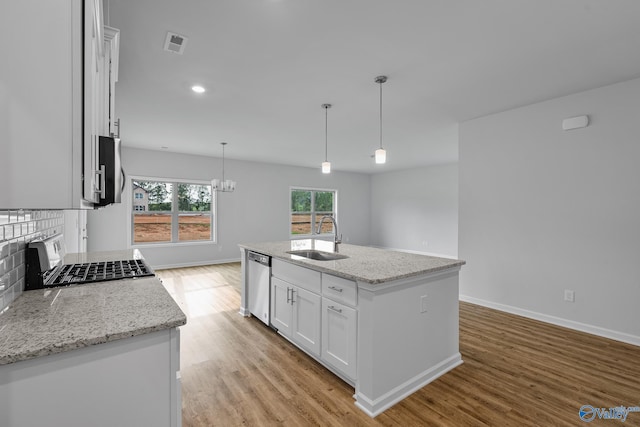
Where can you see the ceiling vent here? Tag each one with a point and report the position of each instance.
(175, 43)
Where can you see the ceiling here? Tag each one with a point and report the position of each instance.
(269, 65)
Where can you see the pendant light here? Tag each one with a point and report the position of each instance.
(381, 153)
(224, 185)
(326, 165)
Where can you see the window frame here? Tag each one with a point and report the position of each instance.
(313, 211)
(175, 213)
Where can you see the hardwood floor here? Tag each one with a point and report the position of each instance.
(516, 371)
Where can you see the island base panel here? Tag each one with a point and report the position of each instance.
(408, 335)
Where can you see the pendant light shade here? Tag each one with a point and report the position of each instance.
(381, 153)
(223, 185)
(326, 165)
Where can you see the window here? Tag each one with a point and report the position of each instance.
(171, 212)
(308, 206)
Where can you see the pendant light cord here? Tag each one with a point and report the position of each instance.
(381, 114)
(223, 144)
(326, 118)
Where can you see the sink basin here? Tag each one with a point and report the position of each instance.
(318, 255)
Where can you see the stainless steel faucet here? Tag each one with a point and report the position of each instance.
(336, 240)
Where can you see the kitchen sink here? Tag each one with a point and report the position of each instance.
(318, 255)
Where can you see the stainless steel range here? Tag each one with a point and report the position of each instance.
(45, 268)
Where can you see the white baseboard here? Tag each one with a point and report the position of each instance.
(374, 407)
(582, 327)
(195, 264)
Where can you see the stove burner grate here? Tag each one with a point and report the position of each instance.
(99, 272)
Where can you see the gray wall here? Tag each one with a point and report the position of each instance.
(416, 210)
(257, 211)
(543, 210)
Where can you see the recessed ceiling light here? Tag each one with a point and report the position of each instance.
(198, 89)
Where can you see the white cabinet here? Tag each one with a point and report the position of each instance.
(339, 324)
(317, 312)
(296, 305)
(295, 313)
(101, 52)
(127, 383)
(305, 324)
(339, 337)
(281, 312)
(111, 60)
(45, 130)
(339, 289)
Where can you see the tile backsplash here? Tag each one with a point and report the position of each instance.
(17, 228)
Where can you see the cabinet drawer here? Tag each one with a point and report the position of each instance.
(339, 289)
(296, 275)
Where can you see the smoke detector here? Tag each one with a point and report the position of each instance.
(175, 43)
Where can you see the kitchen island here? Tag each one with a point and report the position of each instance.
(384, 321)
(99, 354)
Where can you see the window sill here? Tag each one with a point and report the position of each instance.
(172, 244)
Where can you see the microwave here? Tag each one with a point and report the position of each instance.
(109, 174)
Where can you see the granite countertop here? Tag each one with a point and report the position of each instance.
(48, 321)
(364, 264)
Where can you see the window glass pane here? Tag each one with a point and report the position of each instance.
(301, 201)
(300, 212)
(300, 223)
(194, 198)
(151, 211)
(324, 201)
(194, 226)
(324, 206)
(194, 205)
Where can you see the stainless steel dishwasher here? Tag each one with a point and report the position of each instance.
(259, 280)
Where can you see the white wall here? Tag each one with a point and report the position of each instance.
(258, 210)
(543, 210)
(416, 210)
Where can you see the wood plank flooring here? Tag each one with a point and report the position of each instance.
(516, 371)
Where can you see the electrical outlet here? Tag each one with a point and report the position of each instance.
(569, 295)
(423, 303)
(425, 243)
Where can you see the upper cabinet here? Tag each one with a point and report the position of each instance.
(56, 98)
(111, 56)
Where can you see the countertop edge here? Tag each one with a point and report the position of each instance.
(87, 342)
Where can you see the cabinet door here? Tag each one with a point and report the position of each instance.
(112, 50)
(40, 104)
(306, 320)
(339, 336)
(93, 95)
(281, 305)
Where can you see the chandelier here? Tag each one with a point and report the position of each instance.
(223, 185)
